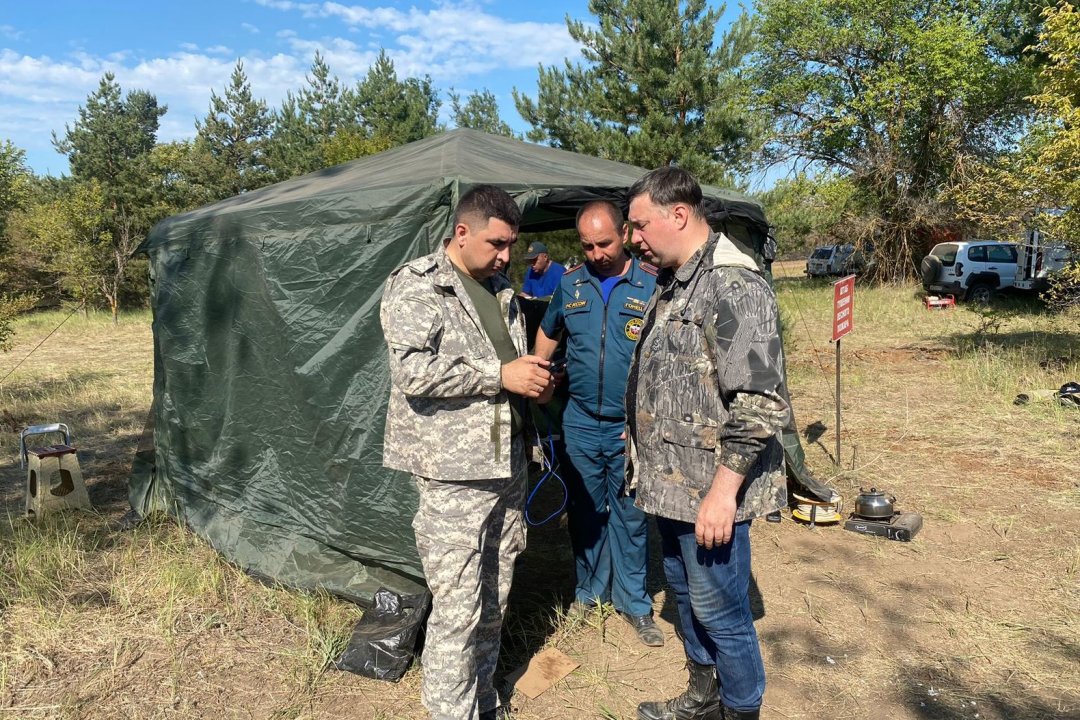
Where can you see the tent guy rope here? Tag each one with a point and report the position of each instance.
(19, 364)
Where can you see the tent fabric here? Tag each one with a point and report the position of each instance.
(270, 376)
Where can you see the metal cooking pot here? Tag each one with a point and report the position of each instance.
(874, 504)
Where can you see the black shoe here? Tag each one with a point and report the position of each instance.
(500, 713)
(729, 714)
(646, 629)
(699, 702)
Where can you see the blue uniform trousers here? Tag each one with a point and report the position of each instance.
(608, 533)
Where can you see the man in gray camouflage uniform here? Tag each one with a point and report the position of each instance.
(704, 419)
(459, 375)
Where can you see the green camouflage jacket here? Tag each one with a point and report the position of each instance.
(448, 416)
(704, 388)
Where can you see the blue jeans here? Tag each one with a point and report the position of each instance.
(608, 532)
(711, 590)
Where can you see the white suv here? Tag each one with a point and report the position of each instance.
(973, 269)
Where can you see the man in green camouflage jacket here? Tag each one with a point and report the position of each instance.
(459, 376)
(704, 418)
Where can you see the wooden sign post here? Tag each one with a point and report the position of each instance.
(843, 323)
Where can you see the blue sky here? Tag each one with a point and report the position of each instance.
(53, 53)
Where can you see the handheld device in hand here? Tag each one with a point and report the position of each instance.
(557, 366)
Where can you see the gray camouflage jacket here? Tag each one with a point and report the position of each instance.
(448, 416)
(704, 388)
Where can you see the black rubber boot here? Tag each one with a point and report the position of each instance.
(729, 714)
(699, 702)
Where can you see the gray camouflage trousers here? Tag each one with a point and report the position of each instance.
(468, 535)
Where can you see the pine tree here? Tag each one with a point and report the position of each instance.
(109, 146)
(653, 89)
(399, 110)
(479, 112)
(309, 119)
(233, 139)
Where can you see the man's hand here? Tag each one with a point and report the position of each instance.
(527, 376)
(557, 377)
(716, 517)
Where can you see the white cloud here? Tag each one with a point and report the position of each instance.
(450, 41)
(309, 9)
(9, 32)
(457, 42)
(250, 28)
(41, 94)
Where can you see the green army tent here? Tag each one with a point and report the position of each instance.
(270, 379)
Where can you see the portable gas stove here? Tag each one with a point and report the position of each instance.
(902, 526)
(876, 514)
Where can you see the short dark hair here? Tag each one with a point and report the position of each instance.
(669, 185)
(613, 211)
(486, 202)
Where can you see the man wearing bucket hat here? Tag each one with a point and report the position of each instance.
(543, 274)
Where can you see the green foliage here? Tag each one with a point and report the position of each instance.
(111, 140)
(399, 110)
(116, 196)
(12, 306)
(351, 144)
(891, 94)
(1059, 155)
(232, 140)
(653, 90)
(307, 119)
(325, 123)
(13, 181)
(177, 170)
(70, 237)
(805, 210)
(479, 112)
(1044, 172)
(14, 186)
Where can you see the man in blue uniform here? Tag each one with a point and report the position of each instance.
(543, 274)
(599, 306)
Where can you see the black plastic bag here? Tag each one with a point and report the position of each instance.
(384, 640)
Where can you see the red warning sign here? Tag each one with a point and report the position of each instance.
(843, 307)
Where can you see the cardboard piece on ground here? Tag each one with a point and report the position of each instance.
(542, 672)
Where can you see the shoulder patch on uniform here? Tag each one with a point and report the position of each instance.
(420, 265)
(649, 268)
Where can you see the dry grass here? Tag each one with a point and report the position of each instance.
(978, 616)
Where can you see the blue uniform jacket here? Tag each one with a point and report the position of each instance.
(600, 338)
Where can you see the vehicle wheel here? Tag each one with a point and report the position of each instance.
(930, 269)
(980, 294)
